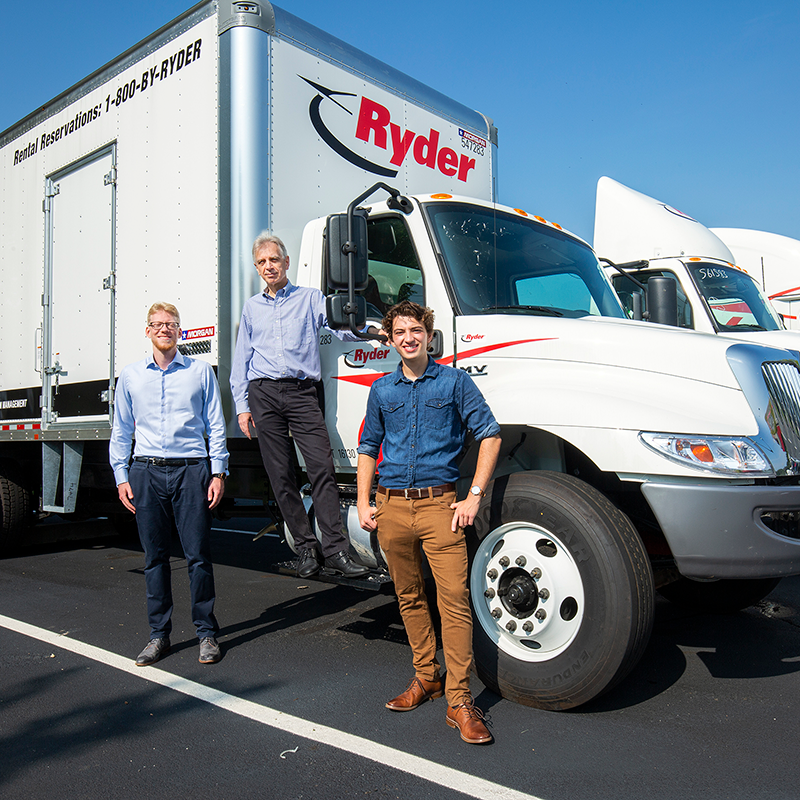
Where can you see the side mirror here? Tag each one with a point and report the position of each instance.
(436, 347)
(339, 249)
(662, 300)
(337, 309)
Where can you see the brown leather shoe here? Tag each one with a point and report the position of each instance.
(469, 721)
(419, 690)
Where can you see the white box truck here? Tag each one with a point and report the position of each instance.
(634, 455)
(150, 179)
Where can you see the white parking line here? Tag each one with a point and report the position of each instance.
(358, 746)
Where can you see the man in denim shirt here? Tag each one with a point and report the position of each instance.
(420, 414)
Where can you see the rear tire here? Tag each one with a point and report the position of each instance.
(717, 597)
(561, 589)
(15, 506)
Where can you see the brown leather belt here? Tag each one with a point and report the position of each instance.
(418, 494)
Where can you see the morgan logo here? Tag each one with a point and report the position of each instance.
(198, 333)
(374, 125)
(358, 358)
(471, 337)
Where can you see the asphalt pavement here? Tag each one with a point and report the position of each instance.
(295, 709)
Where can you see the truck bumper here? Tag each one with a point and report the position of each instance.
(718, 532)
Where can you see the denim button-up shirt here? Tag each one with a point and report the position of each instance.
(421, 425)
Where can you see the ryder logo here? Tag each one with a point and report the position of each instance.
(374, 125)
(359, 358)
(471, 337)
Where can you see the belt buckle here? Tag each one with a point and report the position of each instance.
(405, 494)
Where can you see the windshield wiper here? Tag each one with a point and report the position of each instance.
(544, 311)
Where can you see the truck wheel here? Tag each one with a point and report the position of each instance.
(561, 590)
(717, 597)
(15, 504)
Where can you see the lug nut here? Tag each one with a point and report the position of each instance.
(544, 594)
(521, 561)
(528, 626)
(536, 573)
(511, 626)
(489, 593)
(497, 613)
(504, 561)
(491, 574)
(541, 614)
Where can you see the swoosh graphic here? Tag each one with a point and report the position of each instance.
(332, 142)
(368, 380)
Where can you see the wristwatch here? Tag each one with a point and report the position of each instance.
(477, 491)
(220, 475)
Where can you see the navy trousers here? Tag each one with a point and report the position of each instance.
(163, 494)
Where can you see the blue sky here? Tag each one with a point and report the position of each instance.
(695, 103)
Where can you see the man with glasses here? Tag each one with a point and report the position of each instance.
(275, 381)
(171, 402)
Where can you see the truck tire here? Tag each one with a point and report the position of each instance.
(15, 505)
(561, 590)
(717, 597)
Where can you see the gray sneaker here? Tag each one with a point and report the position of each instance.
(153, 652)
(209, 651)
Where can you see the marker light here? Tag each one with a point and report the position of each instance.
(728, 455)
(520, 211)
(441, 196)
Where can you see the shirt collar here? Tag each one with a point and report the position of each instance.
(284, 292)
(179, 360)
(431, 371)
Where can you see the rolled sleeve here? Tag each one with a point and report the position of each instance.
(373, 433)
(475, 412)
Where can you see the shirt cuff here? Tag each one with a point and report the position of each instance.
(121, 475)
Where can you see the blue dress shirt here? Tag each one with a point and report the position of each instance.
(170, 410)
(421, 425)
(279, 338)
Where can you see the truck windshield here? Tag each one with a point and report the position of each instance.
(734, 299)
(499, 262)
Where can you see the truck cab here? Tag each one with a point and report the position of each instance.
(634, 455)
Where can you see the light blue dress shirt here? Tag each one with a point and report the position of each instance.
(170, 411)
(279, 338)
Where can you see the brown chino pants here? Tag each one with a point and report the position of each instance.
(404, 525)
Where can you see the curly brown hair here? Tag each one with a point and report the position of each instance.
(407, 308)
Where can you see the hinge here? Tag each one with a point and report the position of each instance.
(110, 177)
(110, 282)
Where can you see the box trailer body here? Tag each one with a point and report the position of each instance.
(774, 261)
(634, 455)
(716, 293)
(149, 181)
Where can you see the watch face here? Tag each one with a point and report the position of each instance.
(475, 490)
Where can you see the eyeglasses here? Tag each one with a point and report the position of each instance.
(170, 326)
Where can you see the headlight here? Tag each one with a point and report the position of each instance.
(722, 454)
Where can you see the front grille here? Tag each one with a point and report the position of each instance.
(783, 415)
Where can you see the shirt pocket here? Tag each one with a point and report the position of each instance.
(439, 412)
(394, 417)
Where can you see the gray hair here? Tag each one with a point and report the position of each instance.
(265, 238)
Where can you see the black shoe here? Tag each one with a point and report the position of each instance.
(308, 563)
(154, 650)
(342, 563)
